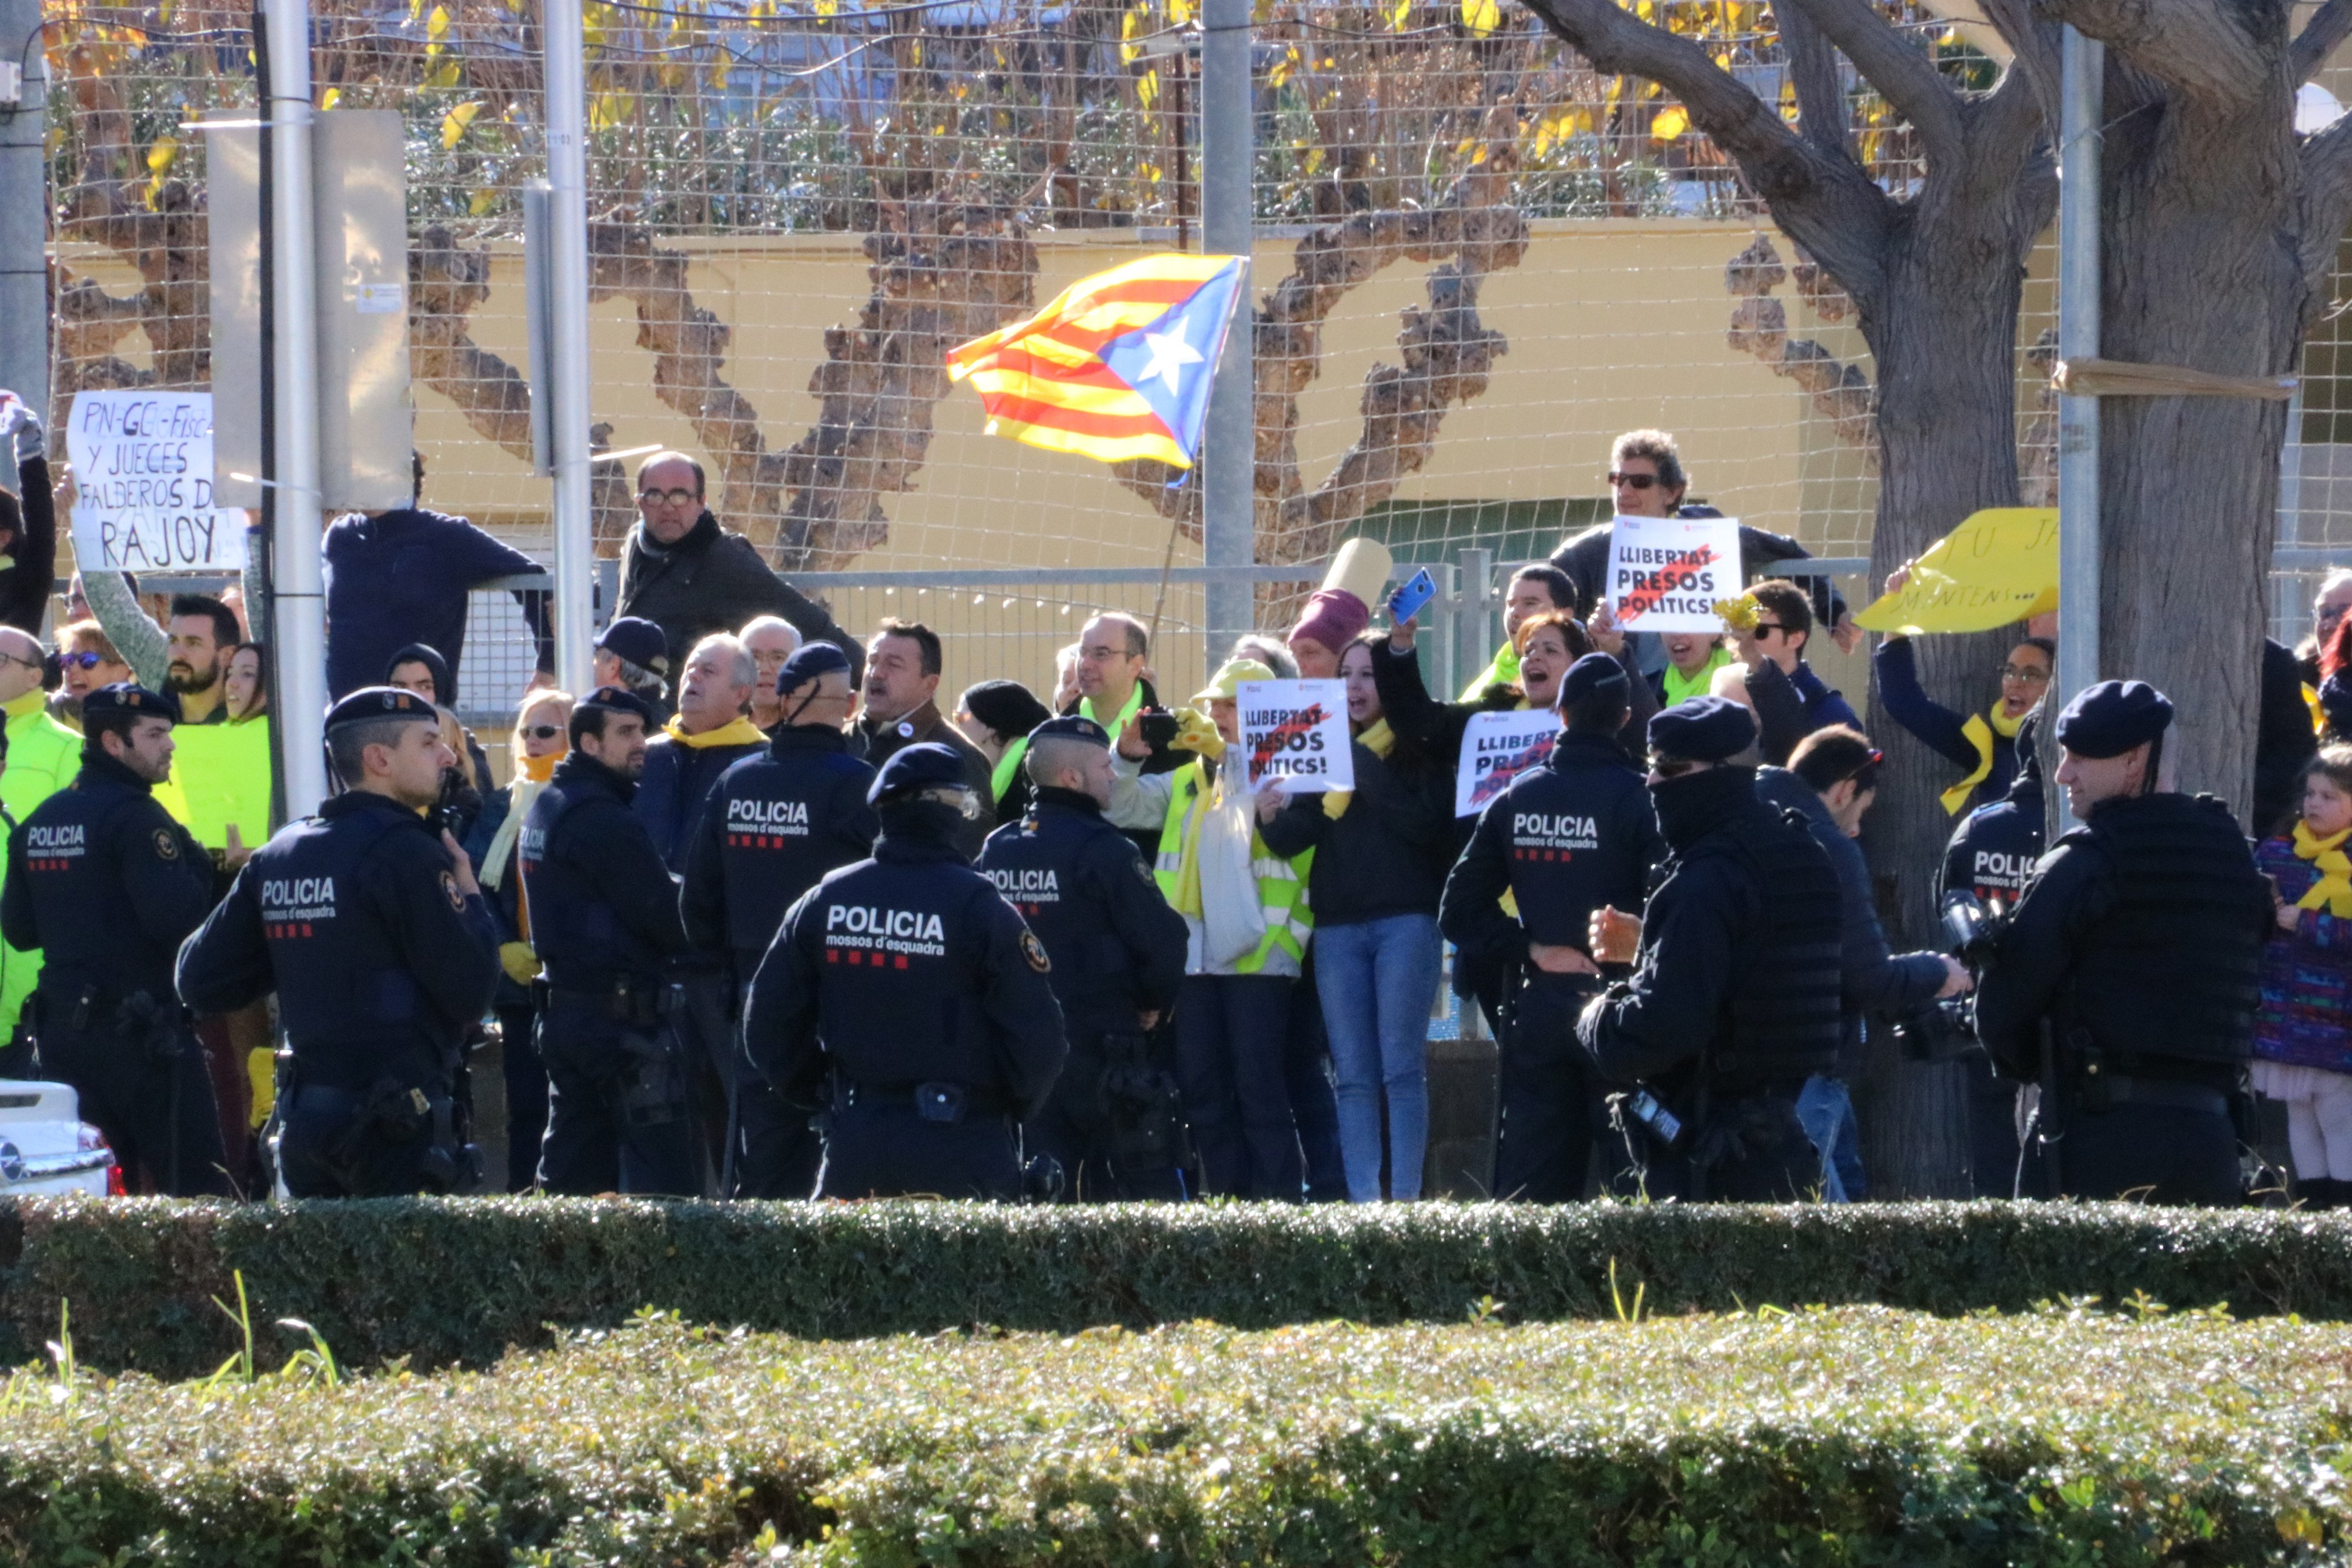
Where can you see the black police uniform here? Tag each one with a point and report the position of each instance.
(774, 825)
(107, 885)
(2138, 948)
(907, 982)
(381, 963)
(1735, 996)
(1570, 834)
(604, 919)
(1993, 854)
(1115, 1120)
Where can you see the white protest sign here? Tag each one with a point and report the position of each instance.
(142, 465)
(1666, 573)
(1297, 730)
(1496, 748)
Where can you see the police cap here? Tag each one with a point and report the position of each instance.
(1072, 726)
(1589, 675)
(2112, 717)
(924, 767)
(1703, 729)
(616, 699)
(635, 640)
(370, 703)
(809, 662)
(126, 701)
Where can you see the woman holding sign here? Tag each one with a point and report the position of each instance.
(1383, 852)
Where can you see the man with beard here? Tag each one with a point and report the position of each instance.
(202, 631)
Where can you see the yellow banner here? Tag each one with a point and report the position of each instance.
(1995, 569)
(220, 774)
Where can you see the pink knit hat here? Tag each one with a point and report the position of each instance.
(1333, 618)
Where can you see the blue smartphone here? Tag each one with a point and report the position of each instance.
(1412, 598)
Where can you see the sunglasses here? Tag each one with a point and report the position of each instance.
(1869, 767)
(1634, 481)
(542, 732)
(81, 661)
(674, 498)
(1765, 628)
(2030, 674)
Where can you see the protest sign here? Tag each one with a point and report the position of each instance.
(1666, 573)
(1297, 730)
(1999, 567)
(142, 465)
(1496, 748)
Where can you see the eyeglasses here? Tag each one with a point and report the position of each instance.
(542, 732)
(2031, 675)
(81, 661)
(1634, 481)
(17, 659)
(674, 498)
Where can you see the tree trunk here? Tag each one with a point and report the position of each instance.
(1943, 339)
(2199, 242)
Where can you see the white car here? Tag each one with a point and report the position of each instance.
(46, 1148)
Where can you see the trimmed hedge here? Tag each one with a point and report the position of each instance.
(1853, 1435)
(460, 1281)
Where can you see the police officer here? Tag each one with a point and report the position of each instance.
(1116, 1116)
(774, 824)
(1571, 835)
(904, 992)
(372, 930)
(101, 877)
(604, 919)
(1734, 998)
(2126, 984)
(1991, 853)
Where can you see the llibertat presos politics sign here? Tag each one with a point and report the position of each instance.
(1666, 574)
(1296, 731)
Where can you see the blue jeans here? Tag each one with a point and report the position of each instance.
(1826, 1109)
(1377, 979)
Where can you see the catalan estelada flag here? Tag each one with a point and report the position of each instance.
(1118, 367)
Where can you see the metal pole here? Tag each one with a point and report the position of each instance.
(302, 650)
(2078, 338)
(1228, 156)
(2290, 595)
(24, 212)
(567, 176)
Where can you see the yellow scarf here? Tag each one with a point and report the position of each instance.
(1379, 739)
(1980, 729)
(2333, 891)
(539, 769)
(741, 732)
(1187, 900)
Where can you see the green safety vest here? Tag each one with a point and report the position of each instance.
(1281, 883)
(43, 758)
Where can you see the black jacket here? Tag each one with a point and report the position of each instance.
(874, 744)
(2284, 741)
(602, 907)
(33, 557)
(775, 824)
(1388, 852)
(714, 580)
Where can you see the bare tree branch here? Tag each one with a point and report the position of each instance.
(1908, 79)
(2034, 46)
(1821, 199)
(1822, 115)
(2194, 46)
(2318, 40)
(2327, 158)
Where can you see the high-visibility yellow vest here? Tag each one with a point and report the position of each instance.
(1281, 883)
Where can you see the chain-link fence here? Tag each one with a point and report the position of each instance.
(1478, 260)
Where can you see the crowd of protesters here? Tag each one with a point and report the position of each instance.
(1668, 924)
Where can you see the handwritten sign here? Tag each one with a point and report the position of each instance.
(142, 465)
(1666, 573)
(1496, 748)
(1297, 730)
(1999, 567)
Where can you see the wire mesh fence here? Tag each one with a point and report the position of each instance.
(1478, 260)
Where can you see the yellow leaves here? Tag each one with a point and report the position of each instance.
(1670, 124)
(1130, 28)
(1147, 88)
(436, 26)
(454, 123)
(605, 110)
(1399, 13)
(161, 154)
(481, 204)
(1554, 130)
(1481, 17)
(1788, 101)
(444, 75)
(1180, 13)
(1282, 69)
(331, 97)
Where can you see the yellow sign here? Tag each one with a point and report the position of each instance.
(1995, 569)
(220, 774)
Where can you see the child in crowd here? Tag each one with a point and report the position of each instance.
(2303, 1030)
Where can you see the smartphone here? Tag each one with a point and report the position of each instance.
(1412, 598)
(1160, 727)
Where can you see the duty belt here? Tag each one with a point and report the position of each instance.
(969, 1100)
